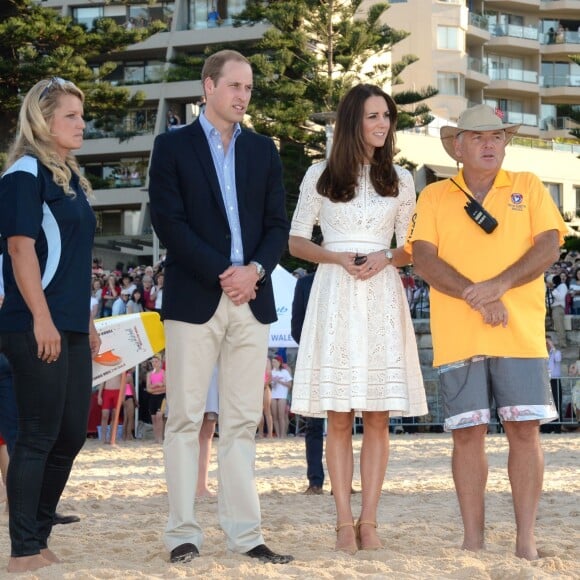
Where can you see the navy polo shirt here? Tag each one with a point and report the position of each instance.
(63, 228)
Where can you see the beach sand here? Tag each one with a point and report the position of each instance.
(119, 493)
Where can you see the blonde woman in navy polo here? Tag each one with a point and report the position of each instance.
(47, 228)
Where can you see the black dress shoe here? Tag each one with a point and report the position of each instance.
(264, 554)
(184, 553)
(60, 519)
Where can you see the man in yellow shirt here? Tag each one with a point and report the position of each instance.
(483, 240)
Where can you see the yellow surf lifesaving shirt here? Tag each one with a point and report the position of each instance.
(523, 208)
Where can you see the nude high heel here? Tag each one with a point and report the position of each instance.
(348, 549)
(376, 546)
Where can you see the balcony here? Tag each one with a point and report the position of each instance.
(115, 197)
(478, 29)
(202, 38)
(568, 80)
(133, 245)
(513, 81)
(203, 14)
(527, 119)
(557, 46)
(515, 39)
(128, 16)
(560, 89)
(559, 8)
(557, 127)
(476, 75)
(97, 148)
(140, 122)
(512, 5)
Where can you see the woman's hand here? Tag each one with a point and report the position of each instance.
(346, 260)
(47, 339)
(94, 340)
(375, 262)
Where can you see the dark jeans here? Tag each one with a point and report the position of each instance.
(53, 404)
(8, 413)
(314, 446)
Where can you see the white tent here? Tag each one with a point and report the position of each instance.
(283, 283)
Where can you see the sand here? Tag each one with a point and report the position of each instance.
(119, 492)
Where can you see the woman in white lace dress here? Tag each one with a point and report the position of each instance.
(357, 351)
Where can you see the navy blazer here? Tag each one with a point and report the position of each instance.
(189, 217)
(299, 304)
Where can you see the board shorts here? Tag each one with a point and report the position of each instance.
(519, 386)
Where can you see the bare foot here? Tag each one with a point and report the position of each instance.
(472, 547)
(204, 493)
(49, 555)
(27, 563)
(527, 551)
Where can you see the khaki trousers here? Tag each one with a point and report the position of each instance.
(238, 343)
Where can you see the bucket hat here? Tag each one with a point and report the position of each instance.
(478, 118)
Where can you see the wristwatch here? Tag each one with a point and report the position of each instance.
(389, 256)
(259, 269)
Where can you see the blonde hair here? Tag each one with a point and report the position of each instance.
(33, 136)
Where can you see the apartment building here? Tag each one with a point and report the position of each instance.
(511, 54)
(117, 165)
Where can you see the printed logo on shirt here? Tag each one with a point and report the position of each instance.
(516, 202)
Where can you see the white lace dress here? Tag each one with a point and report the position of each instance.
(357, 349)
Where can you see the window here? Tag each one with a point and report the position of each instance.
(448, 37)
(116, 13)
(506, 68)
(200, 10)
(555, 190)
(87, 16)
(450, 83)
(556, 74)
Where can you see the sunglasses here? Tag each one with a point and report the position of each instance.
(53, 82)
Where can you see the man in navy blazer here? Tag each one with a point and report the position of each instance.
(218, 207)
(314, 439)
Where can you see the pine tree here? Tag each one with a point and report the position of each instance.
(313, 53)
(36, 42)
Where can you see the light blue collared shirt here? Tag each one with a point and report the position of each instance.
(225, 167)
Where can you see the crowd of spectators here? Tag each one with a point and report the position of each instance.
(139, 289)
(566, 271)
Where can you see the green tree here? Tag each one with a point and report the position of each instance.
(313, 53)
(36, 42)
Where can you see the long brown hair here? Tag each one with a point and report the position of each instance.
(340, 177)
